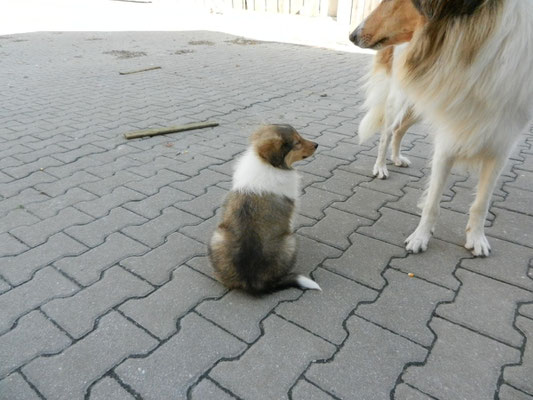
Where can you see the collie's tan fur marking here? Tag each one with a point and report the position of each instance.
(392, 22)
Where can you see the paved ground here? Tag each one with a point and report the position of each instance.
(106, 292)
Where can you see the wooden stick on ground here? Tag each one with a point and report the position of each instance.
(171, 129)
(139, 70)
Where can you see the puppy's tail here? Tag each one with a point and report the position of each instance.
(297, 281)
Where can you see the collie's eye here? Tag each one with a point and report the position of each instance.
(297, 145)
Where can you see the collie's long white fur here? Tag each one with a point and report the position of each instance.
(477, 109)
(253, 175)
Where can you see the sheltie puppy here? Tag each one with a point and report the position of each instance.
(254, 247)
(467, 71)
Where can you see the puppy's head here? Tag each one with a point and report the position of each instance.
(281, 145)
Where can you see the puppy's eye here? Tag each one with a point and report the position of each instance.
(297, 145)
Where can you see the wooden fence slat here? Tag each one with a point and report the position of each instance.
(297, 6)
(272, 6)
(284, 6)
(260, 5)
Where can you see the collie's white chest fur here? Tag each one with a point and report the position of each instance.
(480, 109)
(253, 175)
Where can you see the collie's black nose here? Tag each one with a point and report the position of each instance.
(354, 36)
(316, 145)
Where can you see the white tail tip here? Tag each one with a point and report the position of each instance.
(306, 283)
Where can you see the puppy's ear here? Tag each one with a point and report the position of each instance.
(435, 10)
(274, 152)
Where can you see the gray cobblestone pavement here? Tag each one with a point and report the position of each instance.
(105, 288)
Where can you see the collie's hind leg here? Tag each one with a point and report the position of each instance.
(440, 169)
(397, 135)
(476, 241)
(380, 167)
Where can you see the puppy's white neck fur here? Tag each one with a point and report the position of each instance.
(253, 175)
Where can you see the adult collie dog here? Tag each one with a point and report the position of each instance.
(254, 247)
(467, 69)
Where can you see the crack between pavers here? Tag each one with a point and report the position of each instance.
(521, 349)
(31, 384)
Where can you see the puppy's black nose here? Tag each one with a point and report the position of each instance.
(316, 145)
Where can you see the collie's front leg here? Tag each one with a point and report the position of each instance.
(476, 241)
(418, 241)
(380, 167)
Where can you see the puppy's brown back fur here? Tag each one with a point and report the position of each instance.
(253, 247)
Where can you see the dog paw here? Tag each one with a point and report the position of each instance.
(380, 171)
(417, 242)
(401, 161)
(478, 244)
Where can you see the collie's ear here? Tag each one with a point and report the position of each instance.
(435, 10)
(274, 152)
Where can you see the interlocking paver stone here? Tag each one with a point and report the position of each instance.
(10, 246)
(60, 186)
(487, 306)
(17, 218)
(405, 306)
(20, 268)
(508, 262)
(368, 364)
(11, 189)
(156, 265)
(109, 389)
(324, 312)
(154, 232)
(159, 311)
(152, 206)
(87, 267)
(33, 336)
(365, 202)
(342, 182)
(261, 366)
(314, 201)
(150, 186)
(305, 390)
(205, 205)
(95, 233)
(513, 225)
(103, 205)
(437, 265)
(335, 228)
(15, 387)
(69, 374)
(406, 392)
(509, 393)
(241, 314)
(392, 227)
(108, 185)
(45, 285)
(364, 266)
(520, 375)
(36, 234)
(21, 200)
(199, 184)
(462, 364)
(52, 206)
(207, 390)
(173, 367)
(77, 314)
